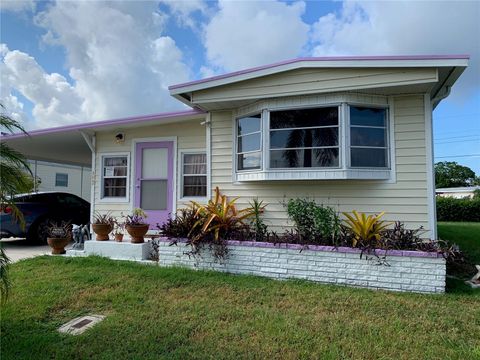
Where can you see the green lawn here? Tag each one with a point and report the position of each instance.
(173, 313)
(466, 235)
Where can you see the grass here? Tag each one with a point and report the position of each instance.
(155, 313)
(465, 235)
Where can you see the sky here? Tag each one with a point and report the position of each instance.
(66, 62)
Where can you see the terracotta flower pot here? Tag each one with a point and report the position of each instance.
(58, 245)
(119, 237)
(102, 231)
(137, 232)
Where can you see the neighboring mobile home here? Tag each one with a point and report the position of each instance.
(67, 178)
(458, 192)
(350, 132)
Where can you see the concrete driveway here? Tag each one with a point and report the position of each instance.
(18, 249)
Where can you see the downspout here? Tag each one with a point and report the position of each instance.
(439, 98)
(91, 141)
(208, 135)
(81, 182)
(429, 104)
(35, 187)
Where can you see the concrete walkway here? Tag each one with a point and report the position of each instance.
(18, 249)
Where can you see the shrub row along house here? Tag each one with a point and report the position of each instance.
(348, 132)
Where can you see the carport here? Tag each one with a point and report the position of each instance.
(75, 144)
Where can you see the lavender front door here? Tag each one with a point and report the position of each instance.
(154, 180)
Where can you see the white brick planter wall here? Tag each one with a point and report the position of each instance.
(406, 270)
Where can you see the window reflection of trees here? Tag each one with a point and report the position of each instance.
(306, 145)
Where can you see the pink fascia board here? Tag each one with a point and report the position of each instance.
(316, 59)
(104, 123)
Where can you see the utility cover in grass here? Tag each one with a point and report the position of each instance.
(80, 324)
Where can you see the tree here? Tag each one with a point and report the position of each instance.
(451, 174)
(15, 174)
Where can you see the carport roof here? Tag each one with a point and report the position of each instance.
(66, 144)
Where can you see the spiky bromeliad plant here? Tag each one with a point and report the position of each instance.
(216, 220)
(367, 230)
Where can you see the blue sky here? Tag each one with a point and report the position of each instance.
(71, 62)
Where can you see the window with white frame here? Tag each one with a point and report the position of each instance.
(347, 140)
(194, 174)
(304, 138)
(61, 180)
(368, 137)
(249, 142)
(114, 176)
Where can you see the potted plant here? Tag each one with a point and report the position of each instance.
(59, 235)
(102, 225)
(136, 225)
(118, 230)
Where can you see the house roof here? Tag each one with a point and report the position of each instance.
(66, 144)
(141, 120)
(323, 62)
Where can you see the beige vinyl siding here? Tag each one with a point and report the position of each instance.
(404, 200)
(190, 135)
(305, 81)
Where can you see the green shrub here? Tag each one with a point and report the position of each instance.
(451, 209)
(313, 221)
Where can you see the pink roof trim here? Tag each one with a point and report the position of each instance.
(312, 59)
(104, 123)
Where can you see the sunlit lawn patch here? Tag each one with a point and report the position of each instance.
(177, 313)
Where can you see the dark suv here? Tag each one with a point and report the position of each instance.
(39, 210)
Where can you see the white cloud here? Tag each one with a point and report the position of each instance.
(120, 63)
(183, 11)
(251, 33)
(17, 5)
(55, 100)
(392, 28)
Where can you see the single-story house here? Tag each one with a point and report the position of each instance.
(457, 192)
(350, 132)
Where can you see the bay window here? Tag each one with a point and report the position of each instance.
(330, 141)
(249, 135)
(304, 138)
(368, 137)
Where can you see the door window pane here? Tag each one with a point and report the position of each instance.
(154, 194)
(155, 163)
